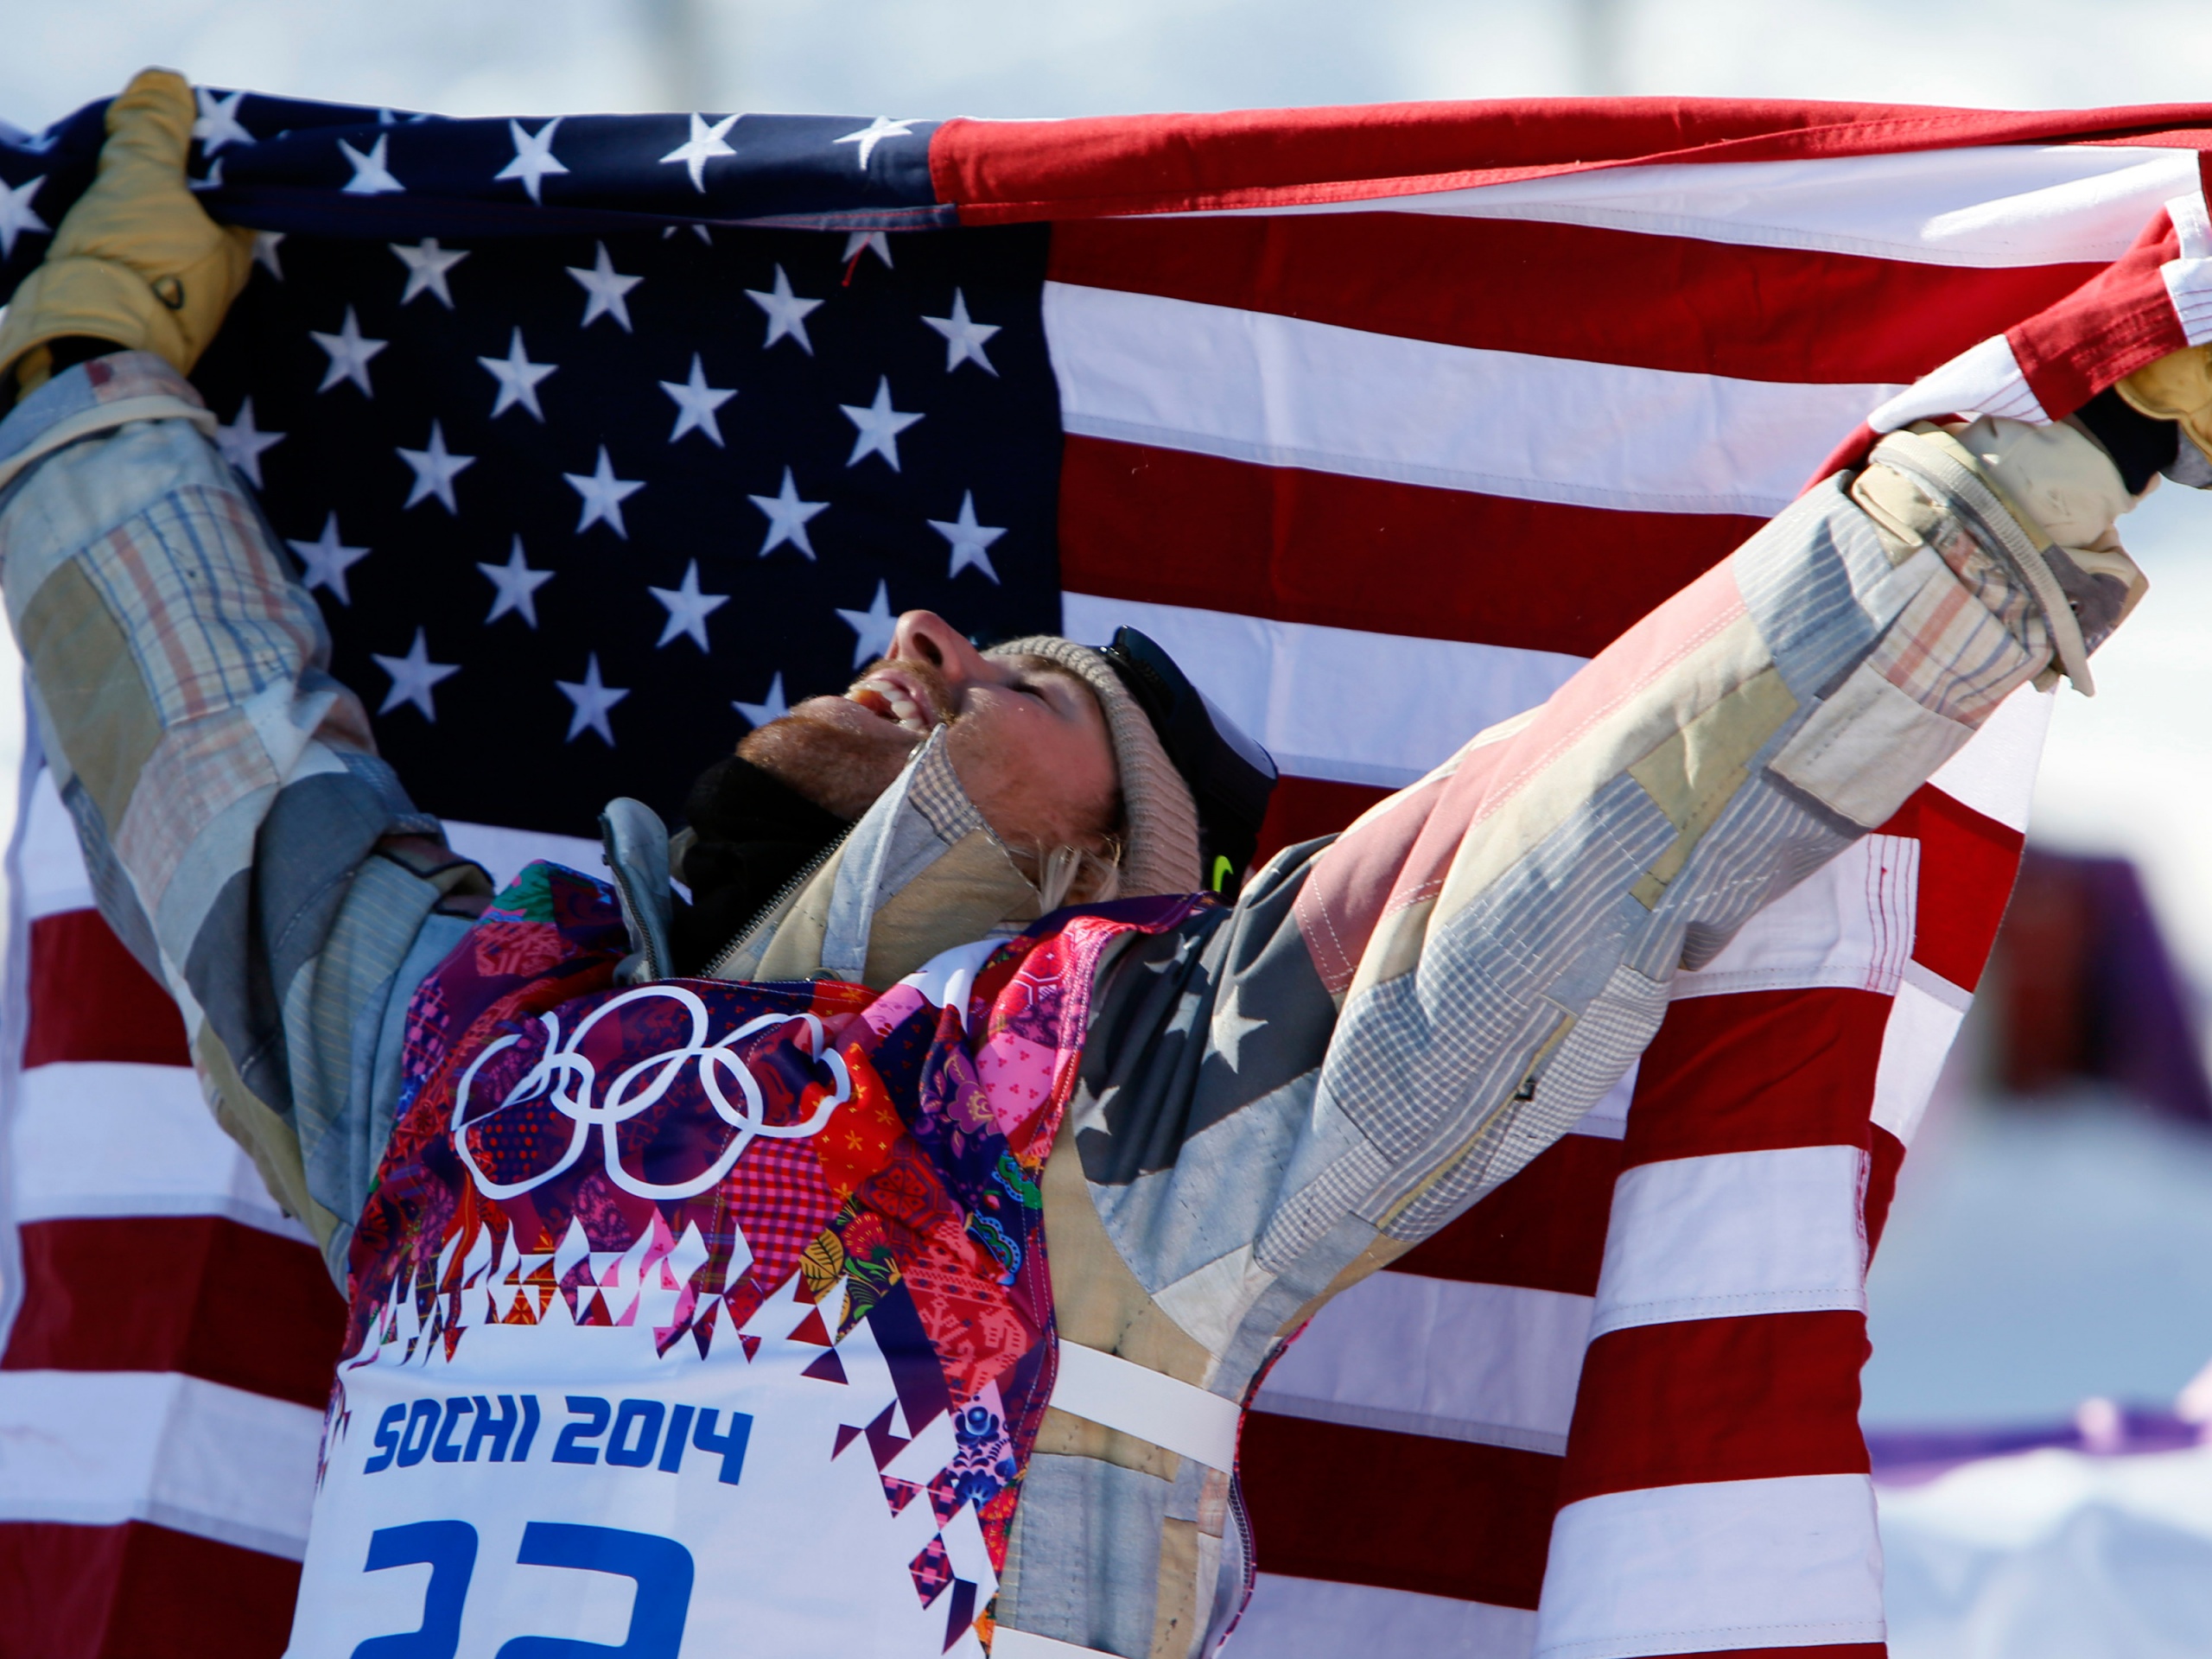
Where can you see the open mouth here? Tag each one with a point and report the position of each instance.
(890, 698)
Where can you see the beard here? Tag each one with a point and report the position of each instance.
(840, 754)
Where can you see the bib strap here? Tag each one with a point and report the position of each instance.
(1115, 1392)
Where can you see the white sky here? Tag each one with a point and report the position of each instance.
(2131, 771)
(1050, 57)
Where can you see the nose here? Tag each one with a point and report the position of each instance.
(936, 642)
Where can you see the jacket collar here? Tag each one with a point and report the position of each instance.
(919, 873)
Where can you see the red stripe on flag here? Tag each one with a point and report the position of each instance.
(2117, 323)
(1967, 866)
(1573, 291)
(1707, 1400)
(91, 1000)
(1844, 1650)
(1544, 1229)
(1302, 809)
(1885, 1158)
(1174, 528)
(198, 1295)
(1361, 1506)
(1756, 1071)
(139, 1592)
(997, 172)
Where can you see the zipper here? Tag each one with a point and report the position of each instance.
(631, 908)
(799, 878)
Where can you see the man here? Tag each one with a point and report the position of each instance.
(872, 1256)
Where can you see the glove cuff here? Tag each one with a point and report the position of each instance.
(96, 298)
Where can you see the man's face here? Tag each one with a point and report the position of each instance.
(1027, 738)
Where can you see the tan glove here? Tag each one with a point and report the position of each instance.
(2178, 387)
(136, 260)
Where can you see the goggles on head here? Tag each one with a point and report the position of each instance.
(1230, 776)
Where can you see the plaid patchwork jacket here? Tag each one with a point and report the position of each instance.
(1265, 1101)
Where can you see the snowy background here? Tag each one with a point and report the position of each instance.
(2037, 1257)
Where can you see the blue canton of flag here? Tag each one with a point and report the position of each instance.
(595, 499)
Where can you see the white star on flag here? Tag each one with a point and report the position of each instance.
(688, 608)
(787, 517)
(517, 377)
(533, 160)
(875, 132)
(607, 288)
(968, 538)
(695, 404)
(427, 265)
(773, 707)
(435, 468)
(517, 585)
(603, 495)
(875, 626)
(412, 677)
(241, 443)
(1231, 1027)
(218, 123)
(371, 177)
(15, 214)
(265, 243)
(704, 144)
(350, 352)
(874, 242)
(592, 699)
(786, 313)
(879, 426)
(963, 338)
(328, 560)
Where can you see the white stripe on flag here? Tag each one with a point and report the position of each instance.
(93, 1138)
(1492, 1364)
(502, 852)
(2189, 278)
(1336, 703)
(52, 868)
(1984, 379)
(1731, 1234)
(1253, 386)
(1995, 773)
(1784, 1563)
(1989, 206)
(1849, 924)
(99, 1448)
(1314, 1618)
(1916, 1040)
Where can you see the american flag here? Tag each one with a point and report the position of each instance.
(601, 438)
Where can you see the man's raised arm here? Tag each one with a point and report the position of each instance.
(1381, 1032)
(244, 838)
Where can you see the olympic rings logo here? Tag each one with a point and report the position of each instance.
(571, 1081)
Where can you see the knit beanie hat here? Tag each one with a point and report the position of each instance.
(1161, 853)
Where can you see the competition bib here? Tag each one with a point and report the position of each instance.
(557, 1491)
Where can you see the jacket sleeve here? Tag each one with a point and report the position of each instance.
(1278, 1099)
(244, 838)
(1385, 1027)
